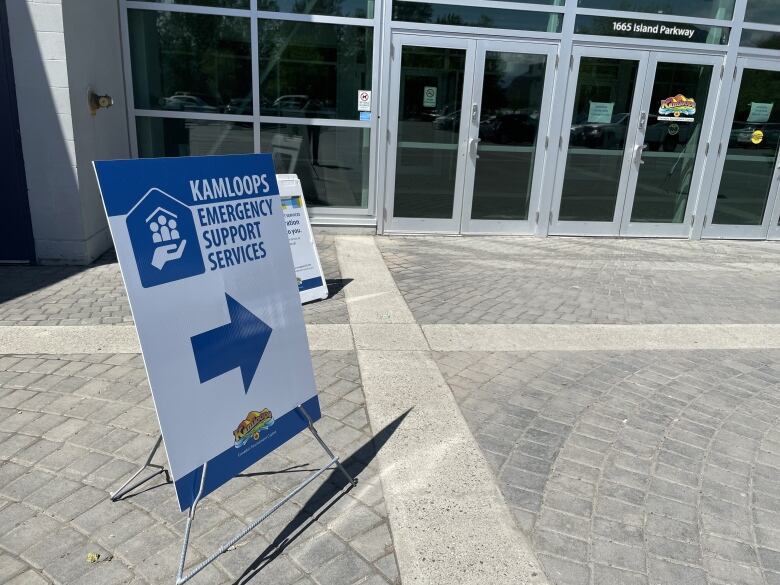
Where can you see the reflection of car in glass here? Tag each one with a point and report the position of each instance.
(187, 102)
(667, 135)
(297, 105)
(239, 106)
(289, 104)
(742, 135)
(447, 121)
(600, 135)
(509, 128)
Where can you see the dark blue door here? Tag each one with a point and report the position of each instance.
(16, 239)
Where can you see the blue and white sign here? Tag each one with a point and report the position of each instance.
(203, 248)
(308, 270)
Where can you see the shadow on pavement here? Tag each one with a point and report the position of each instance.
(330, 492)
(335, 286)
(18, 281)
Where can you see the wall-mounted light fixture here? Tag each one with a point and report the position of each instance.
(98, 101)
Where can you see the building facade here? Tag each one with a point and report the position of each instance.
(655, 118)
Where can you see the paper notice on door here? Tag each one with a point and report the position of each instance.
(429, 96)
(760, 112)
(600, 112)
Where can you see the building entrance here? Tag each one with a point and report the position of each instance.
(633, 143)
(468, 123)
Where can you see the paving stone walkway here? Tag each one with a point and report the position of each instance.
(73, 426)
(95, 295)
(627, 468)
(622, 467)
(585, 280)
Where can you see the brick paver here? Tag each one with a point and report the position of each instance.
(72, 427)
(584, 280)
(659, 468)
(95, 295)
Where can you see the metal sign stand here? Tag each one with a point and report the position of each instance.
(124, 488)
(334, 463)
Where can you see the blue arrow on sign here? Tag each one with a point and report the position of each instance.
(239, 344)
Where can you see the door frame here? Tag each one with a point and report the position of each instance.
(425, 225)
(768, 227)
(506, 227)
(596, 228)
(674, 230)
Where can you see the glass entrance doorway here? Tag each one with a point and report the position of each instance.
(745, 202)
(634, 142)
(467, 118)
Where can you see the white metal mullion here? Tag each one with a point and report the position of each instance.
(333, 122)
(188, 8)
(653, 16)
(762, 27)
(315, 18)
(401, 26)
(523, 6)
(132, 128)
(624, 43)
(255, 35)
(191, 115)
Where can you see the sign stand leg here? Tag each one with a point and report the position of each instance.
(126, 487)
(327, 450)
(334, 461)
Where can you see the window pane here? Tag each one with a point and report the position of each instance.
(672, 142)
(508, 129)
(760, 39)
(331, 162)
(190, 62)
(720, 9)
(352, 8)
(645, 29)
(763, 11)
(313, 70)
(429, 117)
(602, 109)
(176, 137)
(211, 3)
(752, 151)
(453, 15)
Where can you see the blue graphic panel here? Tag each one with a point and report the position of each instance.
(164, 240)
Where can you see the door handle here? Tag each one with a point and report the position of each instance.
(473, 145)
(638, 149)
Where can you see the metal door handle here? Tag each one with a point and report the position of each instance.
(638, 153)
(473, 145)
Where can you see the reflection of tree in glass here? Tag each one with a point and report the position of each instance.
(203, 56)
(412, 12)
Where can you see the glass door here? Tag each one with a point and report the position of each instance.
(671, 144)
(431, 78)
(745, 201)
(602, 109)
(470, 120)
(508, 131)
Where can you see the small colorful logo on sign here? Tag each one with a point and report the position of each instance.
(250, 427)
(677, 106)
(757, 137)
